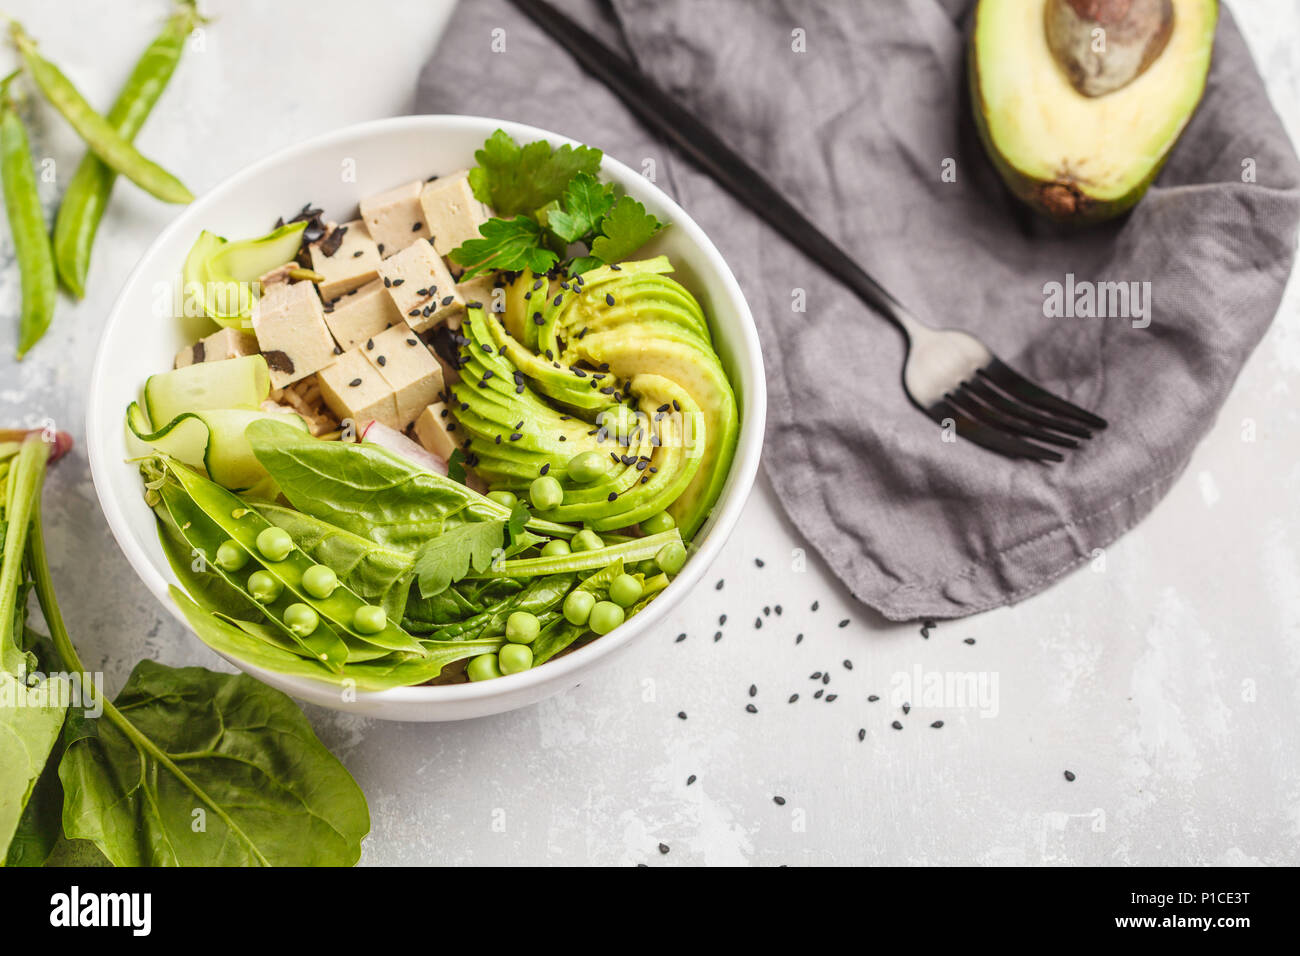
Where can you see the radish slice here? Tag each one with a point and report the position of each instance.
(389, 439)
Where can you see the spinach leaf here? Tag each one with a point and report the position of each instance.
(363, 489)
(450, 556)
(212, 769)
(30, 721)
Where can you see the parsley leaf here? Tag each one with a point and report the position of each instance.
(510, 244)
(624, 230)
(450, 556)
(516, 180)
(456, 466)
(585, 202)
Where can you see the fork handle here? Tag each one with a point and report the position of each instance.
(672, 121)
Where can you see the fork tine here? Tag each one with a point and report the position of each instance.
(972, 406)
(991, 396)
(1013, 383)
(990, 438)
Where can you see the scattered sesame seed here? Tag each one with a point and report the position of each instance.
(969, 640)
(753, 690)
(779, 801)
(750, 708)
(717, 636)
(757, 561)
(862, 734)
(793, 698)
(609, 300)
(937, 724)
(907, 709)
(816, 605)
(831, 697)
(798, 638)
(873, 698)
(681, 715)
(663, 848)
(1069, 775)
(848, 664)
(690, 780)
(680, 637)
(355, 382)
(896, 725)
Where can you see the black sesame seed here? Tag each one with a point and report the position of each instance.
(722, 619)
(873, 698)
(609, 300)
(896, 725)
(862, 734)
(848, 664)
(779, 801)
(767, 611)
(613, 496)
(448, 300)
(907, 709)
(690, 780)
(816, 675)
(969, 640)
(1069, 775)
(388, 283)
(415, 227)
(717, 636)
(355, 382)
(758, 562)
(831, 697)
(818, 695)
(370, 344)
(758, 622)
(793, 698)
(816, 605)
(753, 690)
(663, 848)
(798, 638)
(718, 586)
(937, 724)
(382, 360)
(681, 715)
(750, 708)
(545, 468)
(680, 637)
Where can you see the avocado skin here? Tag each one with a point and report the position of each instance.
(1061, 200)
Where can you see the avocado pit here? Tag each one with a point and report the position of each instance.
(1104, 45)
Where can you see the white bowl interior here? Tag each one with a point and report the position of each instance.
(334, 172)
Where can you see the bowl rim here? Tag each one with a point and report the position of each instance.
(727, 510)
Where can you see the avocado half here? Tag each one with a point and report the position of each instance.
(1079, 102)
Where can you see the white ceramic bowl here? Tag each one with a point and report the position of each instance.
(333, 172)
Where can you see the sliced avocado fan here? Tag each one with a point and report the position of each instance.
(620, 362)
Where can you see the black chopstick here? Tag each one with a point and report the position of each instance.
(683, 129)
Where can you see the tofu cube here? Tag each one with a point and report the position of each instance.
(451, 212)
(289, 323)
(226, 344)
(394, 218)
(354, 390)
(409, 368)
(435, 428)
(421, 287)
(351, 264)
(362, 315)
(483, 290)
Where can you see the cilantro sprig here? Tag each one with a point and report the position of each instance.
(550, 208)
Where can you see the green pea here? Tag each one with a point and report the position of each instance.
(302, 619)
(545, 493)
(274, 543)
(522, 627)
(319, 581)
(578, 605)
(586, 467)
(586, 540)
(514, 658)
(605, 616)
(231, 556)
(369, 619)
(658, 523)
(265, 587)
(556, 548)
(483, 667)
(503, 498)
(671, 557)
(625, 590)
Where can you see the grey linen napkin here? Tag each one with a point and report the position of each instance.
(857, 129)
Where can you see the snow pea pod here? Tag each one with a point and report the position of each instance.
(27, 223)
(97, 132)
(205, 536)
(87, 194)
(243, 523)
